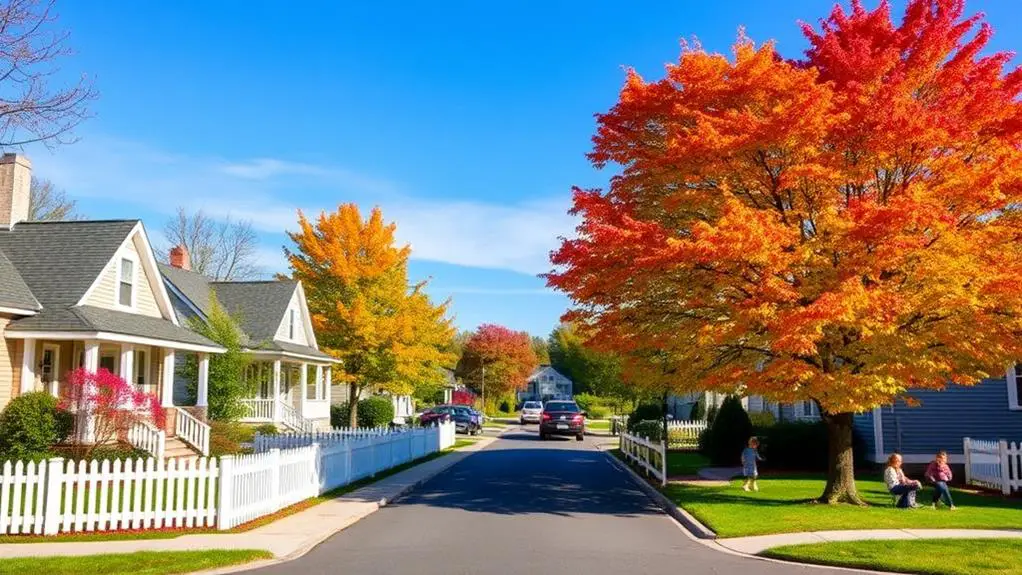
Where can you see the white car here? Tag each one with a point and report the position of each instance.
(532, 412)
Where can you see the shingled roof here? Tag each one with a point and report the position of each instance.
(89, 319)
(14, 293)
(59, 261)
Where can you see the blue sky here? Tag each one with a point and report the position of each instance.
(466, 121)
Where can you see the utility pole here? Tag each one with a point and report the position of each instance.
(484, 388)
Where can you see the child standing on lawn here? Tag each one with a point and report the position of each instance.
(750, 456)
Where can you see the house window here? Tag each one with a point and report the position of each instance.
(126, 283)
(291, 325)
(108, 361)
(807, 410)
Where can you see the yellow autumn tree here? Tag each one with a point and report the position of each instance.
(387, 332)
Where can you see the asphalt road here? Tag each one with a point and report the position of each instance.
(523, 506)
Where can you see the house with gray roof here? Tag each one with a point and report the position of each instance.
(289, 375)
(89, 294)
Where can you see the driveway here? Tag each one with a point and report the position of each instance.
(523, 506)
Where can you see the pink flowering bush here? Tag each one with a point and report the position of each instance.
(111, 404)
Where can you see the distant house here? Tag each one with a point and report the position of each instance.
(680, 406)
(546, 383)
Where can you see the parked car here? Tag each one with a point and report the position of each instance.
(466, 419)
(532, 412)
(562, 418)
(435, 415)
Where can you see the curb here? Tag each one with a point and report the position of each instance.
(375, 506)
(694, 526)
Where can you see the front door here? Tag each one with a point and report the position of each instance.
(49, 365)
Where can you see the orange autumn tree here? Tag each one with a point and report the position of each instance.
(497, 361)
(842, 229)
(388, 334)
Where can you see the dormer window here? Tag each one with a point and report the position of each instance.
(291, 324)
(126, 283)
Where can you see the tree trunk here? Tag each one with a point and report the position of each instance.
(840, 461)
(353, 392)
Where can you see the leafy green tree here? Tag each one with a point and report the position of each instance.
(227, 385)
(589, 370)
(541, 348)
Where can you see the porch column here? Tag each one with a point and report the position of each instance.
(328, 382)
(319, 382)
(91, 356)
(28, 365)
(277, 416)
(167, 392)
(304, 378)
(127, 359)
(202, 387)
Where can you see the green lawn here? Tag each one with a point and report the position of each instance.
(925, 556)
(142, 563)
(598, 424)
(685, 463)
(783, 505)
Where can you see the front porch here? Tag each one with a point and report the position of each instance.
(44, 364)
(289, 390)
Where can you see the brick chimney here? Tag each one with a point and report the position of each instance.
(15, 189)
(179, 257)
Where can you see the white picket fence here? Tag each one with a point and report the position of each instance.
(684, 433)
(993, 464)
(650, 456)
(58, 496)
(263, 442)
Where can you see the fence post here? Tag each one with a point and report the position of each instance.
(225, 494)
(663, 462)
(1002, 448)
(967, 449)
(54, 491)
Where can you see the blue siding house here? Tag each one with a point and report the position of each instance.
(987, 410)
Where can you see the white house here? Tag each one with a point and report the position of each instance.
(546, 383)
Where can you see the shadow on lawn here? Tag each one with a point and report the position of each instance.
(555, 481)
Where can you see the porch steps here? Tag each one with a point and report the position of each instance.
(175, 448)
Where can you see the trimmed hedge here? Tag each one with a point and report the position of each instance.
(652, 430)
(800, 446)
(723, 441)
(375, 411)
(31, 425)
(645, 412)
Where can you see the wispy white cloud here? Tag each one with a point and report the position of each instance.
(269, 191)
(493, 291)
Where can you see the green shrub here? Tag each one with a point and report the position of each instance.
(724, 440)
(794, 445)
(118, 453)
(598, 412)
(698, 409)
(505, 406)
(652, 430)
(586, 401)
(762, 419)
(375, 411)
(220, 445)
(645, 412)
(267, 429)
(339, 415)
(30, 425)
(237, 432)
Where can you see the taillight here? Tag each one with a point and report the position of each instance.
(578, 418)
(546, 416)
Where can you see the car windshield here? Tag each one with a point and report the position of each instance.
(533, 405)
(562, 406)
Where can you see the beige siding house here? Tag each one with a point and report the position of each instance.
(87, 294)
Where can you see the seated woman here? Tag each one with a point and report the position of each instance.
(938, 472)
(900, 485)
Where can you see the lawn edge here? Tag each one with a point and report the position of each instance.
(686, 519)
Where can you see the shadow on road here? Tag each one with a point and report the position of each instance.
(553, 481)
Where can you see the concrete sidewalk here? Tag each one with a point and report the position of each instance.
(287, 538)
(760, 543)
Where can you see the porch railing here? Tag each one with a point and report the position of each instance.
(148, 438)
(258, 409)
(290, 417)
(192, 431)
